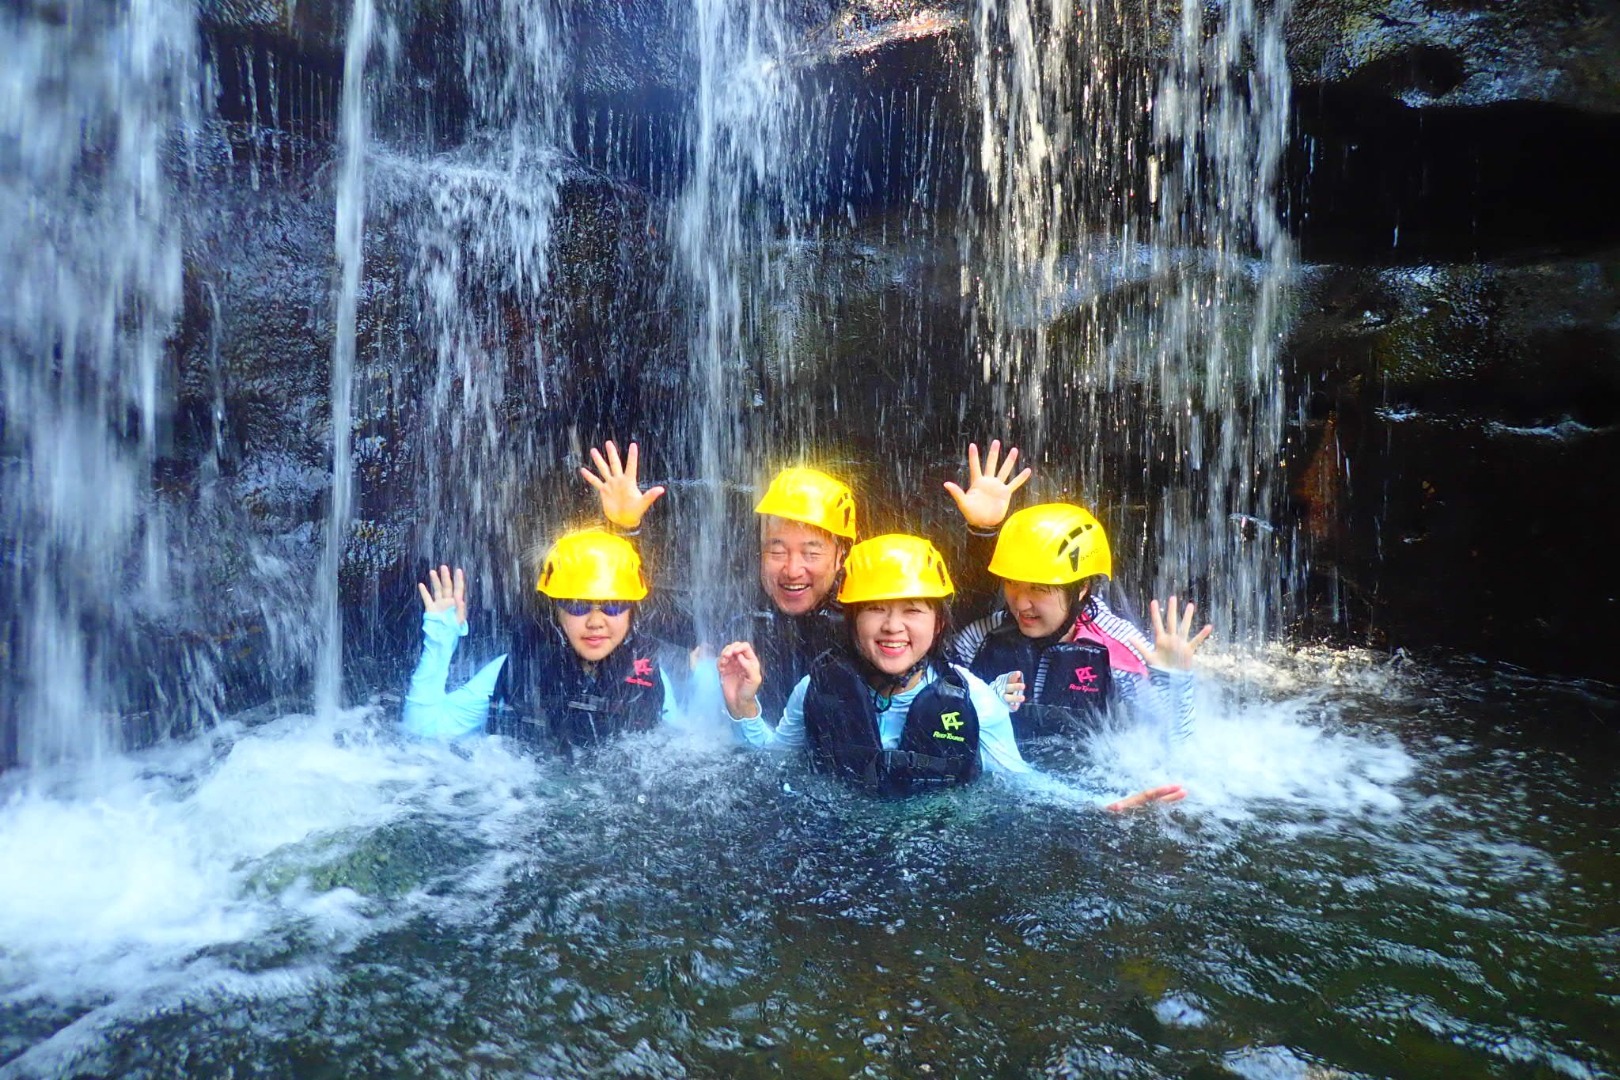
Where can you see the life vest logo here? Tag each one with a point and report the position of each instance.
(641, 673)
(948, 723)
(1085, 680)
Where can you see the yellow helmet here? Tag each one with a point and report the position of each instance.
(812, 497)
(592, 565)
(1051, 544)
(894, 567)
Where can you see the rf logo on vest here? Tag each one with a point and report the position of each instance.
(948, 723)
(1085, 680)
(641, 672)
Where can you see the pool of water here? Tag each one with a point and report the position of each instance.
(1382, 870)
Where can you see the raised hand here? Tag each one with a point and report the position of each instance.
(1172, 647)
(1013, 694)
(1167, 793)
(448, 591)
(623, 501)
(740, 679)
(990, 489)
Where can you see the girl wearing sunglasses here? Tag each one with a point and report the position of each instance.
(583, 677)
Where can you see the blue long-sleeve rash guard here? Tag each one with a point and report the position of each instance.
(998, 750)
(433, 712)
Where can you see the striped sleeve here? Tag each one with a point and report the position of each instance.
(965, 644)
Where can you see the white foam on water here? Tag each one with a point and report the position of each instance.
(1270, 733)
(119, 894)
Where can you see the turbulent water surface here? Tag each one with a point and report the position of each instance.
(1382, 871)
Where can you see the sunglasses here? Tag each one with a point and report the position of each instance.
(609, 608)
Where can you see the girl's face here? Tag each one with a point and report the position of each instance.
(894, 634)
(594, 634)
(1039, 610)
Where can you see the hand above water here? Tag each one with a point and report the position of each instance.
(740, 679)
(1013, 692)
(1166, 793)
(448, 591)
(623, 501)
(1171, 647)
(990, 489)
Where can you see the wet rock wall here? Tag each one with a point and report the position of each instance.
(1452, 350)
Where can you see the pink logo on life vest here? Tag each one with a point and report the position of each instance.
(1085, 680)
(643, 669)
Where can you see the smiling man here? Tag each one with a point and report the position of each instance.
(806, 527)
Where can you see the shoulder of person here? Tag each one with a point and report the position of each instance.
(987, 622)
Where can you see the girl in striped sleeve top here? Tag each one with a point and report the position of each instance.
(1058, 653)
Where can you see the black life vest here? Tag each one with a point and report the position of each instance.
(939, 745)
(546, 686)
(787, 646)
(1075, 678)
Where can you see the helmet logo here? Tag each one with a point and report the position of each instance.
(1070, 545)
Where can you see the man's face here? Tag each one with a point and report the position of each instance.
(797, 565)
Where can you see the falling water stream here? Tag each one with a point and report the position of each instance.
(1384, 868)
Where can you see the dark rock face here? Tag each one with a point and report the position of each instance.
(1465, 53)
(1465, 420)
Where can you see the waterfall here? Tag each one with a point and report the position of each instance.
(723, 226)
(1220, 120)
(95, 104)
(1123, 260)
(481, 221)
(353, 124)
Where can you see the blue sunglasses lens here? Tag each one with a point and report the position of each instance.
(609, 608)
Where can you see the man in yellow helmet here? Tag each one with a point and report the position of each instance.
(582, 676)
(806, 527)
(1059, 642)
(807, 521)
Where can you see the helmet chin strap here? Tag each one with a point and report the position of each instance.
(892, 685)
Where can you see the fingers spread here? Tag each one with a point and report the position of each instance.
(1006, 470)
(973, 464)
(992, 457)
(1020, 480)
